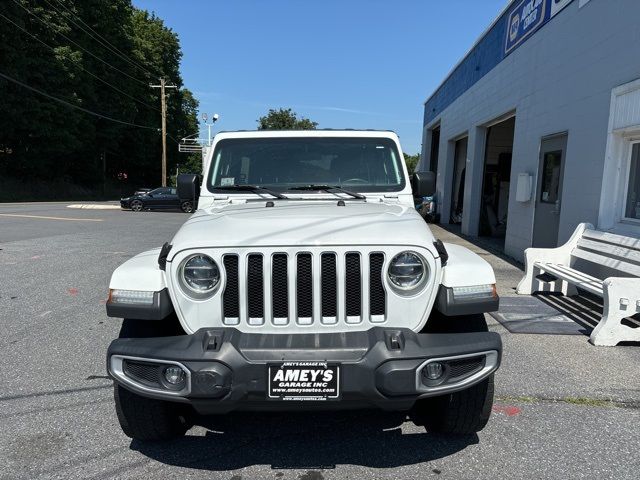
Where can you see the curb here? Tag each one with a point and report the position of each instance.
(94, 206)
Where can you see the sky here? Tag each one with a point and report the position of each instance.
(341, 63)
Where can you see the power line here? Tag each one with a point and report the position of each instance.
(64, 102)
(96, 36)
(77, 45)
(81, 67)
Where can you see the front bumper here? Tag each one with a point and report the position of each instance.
(228, 370)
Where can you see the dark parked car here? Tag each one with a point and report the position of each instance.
(164, 198)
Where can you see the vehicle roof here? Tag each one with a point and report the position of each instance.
(307, 133)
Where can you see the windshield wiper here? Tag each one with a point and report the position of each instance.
(329, 189)
(252, 189)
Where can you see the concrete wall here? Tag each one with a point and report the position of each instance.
(560, 79)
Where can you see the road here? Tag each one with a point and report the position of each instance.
(564, 409)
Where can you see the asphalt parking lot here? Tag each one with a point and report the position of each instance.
(564, 409)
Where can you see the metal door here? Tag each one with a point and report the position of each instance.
(549, 191)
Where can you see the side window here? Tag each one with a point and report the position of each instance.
(551, 177)
(633, 185)
(173, 191)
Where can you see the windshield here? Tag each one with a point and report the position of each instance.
(281, 164)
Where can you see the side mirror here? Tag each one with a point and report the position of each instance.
(423, 184)
(188, 187)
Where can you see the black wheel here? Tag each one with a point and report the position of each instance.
(460, 413)
(463, 412)
(144, 418)
(187, 206)
(147, 419)
(136, 205)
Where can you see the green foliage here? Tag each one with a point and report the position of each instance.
(192, 163)
(411, 161)
(100, 56)
(285, 119)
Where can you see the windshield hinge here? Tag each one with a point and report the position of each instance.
(442, 251)
(164, 253)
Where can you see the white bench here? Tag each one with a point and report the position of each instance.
(621, 293)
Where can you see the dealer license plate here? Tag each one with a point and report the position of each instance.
(304, 381)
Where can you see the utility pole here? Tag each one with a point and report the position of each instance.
(163, 100)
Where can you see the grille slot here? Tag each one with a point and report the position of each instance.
(465, 366)
(353, 286)
(255, 289)
(280, 287)
(304, 288)
(231, 296)
(145, 373)
(329, 287)
(377, 296)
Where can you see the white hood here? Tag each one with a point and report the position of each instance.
(297, 223)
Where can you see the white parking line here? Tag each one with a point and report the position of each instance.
(51, 218)
(94, 206)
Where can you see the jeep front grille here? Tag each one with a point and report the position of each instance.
(231, 295)
(255, 289)
(377, 297)
(329, 287)
(304, 288)
(353, 287)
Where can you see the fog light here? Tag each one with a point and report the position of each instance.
(174, 376)
(433, 370)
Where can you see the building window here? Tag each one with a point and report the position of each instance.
(551, 177)
(632, 209)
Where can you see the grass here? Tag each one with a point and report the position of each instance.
(582, 401)
(589, 402)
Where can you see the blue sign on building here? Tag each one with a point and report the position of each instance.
(523, 20)
(514, 27)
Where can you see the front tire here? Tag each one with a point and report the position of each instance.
(460, 413)
(187, 207)
(147, 419)
(143, 418)
(136, 206)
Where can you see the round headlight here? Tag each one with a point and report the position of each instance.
(407, 271)
(199, 275)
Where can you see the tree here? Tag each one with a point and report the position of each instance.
(411, 161)
(285, 119)
(101, 57)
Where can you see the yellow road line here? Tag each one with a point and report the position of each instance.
(26, 204)
(51, 218)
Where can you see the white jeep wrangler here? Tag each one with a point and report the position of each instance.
(305, 280)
